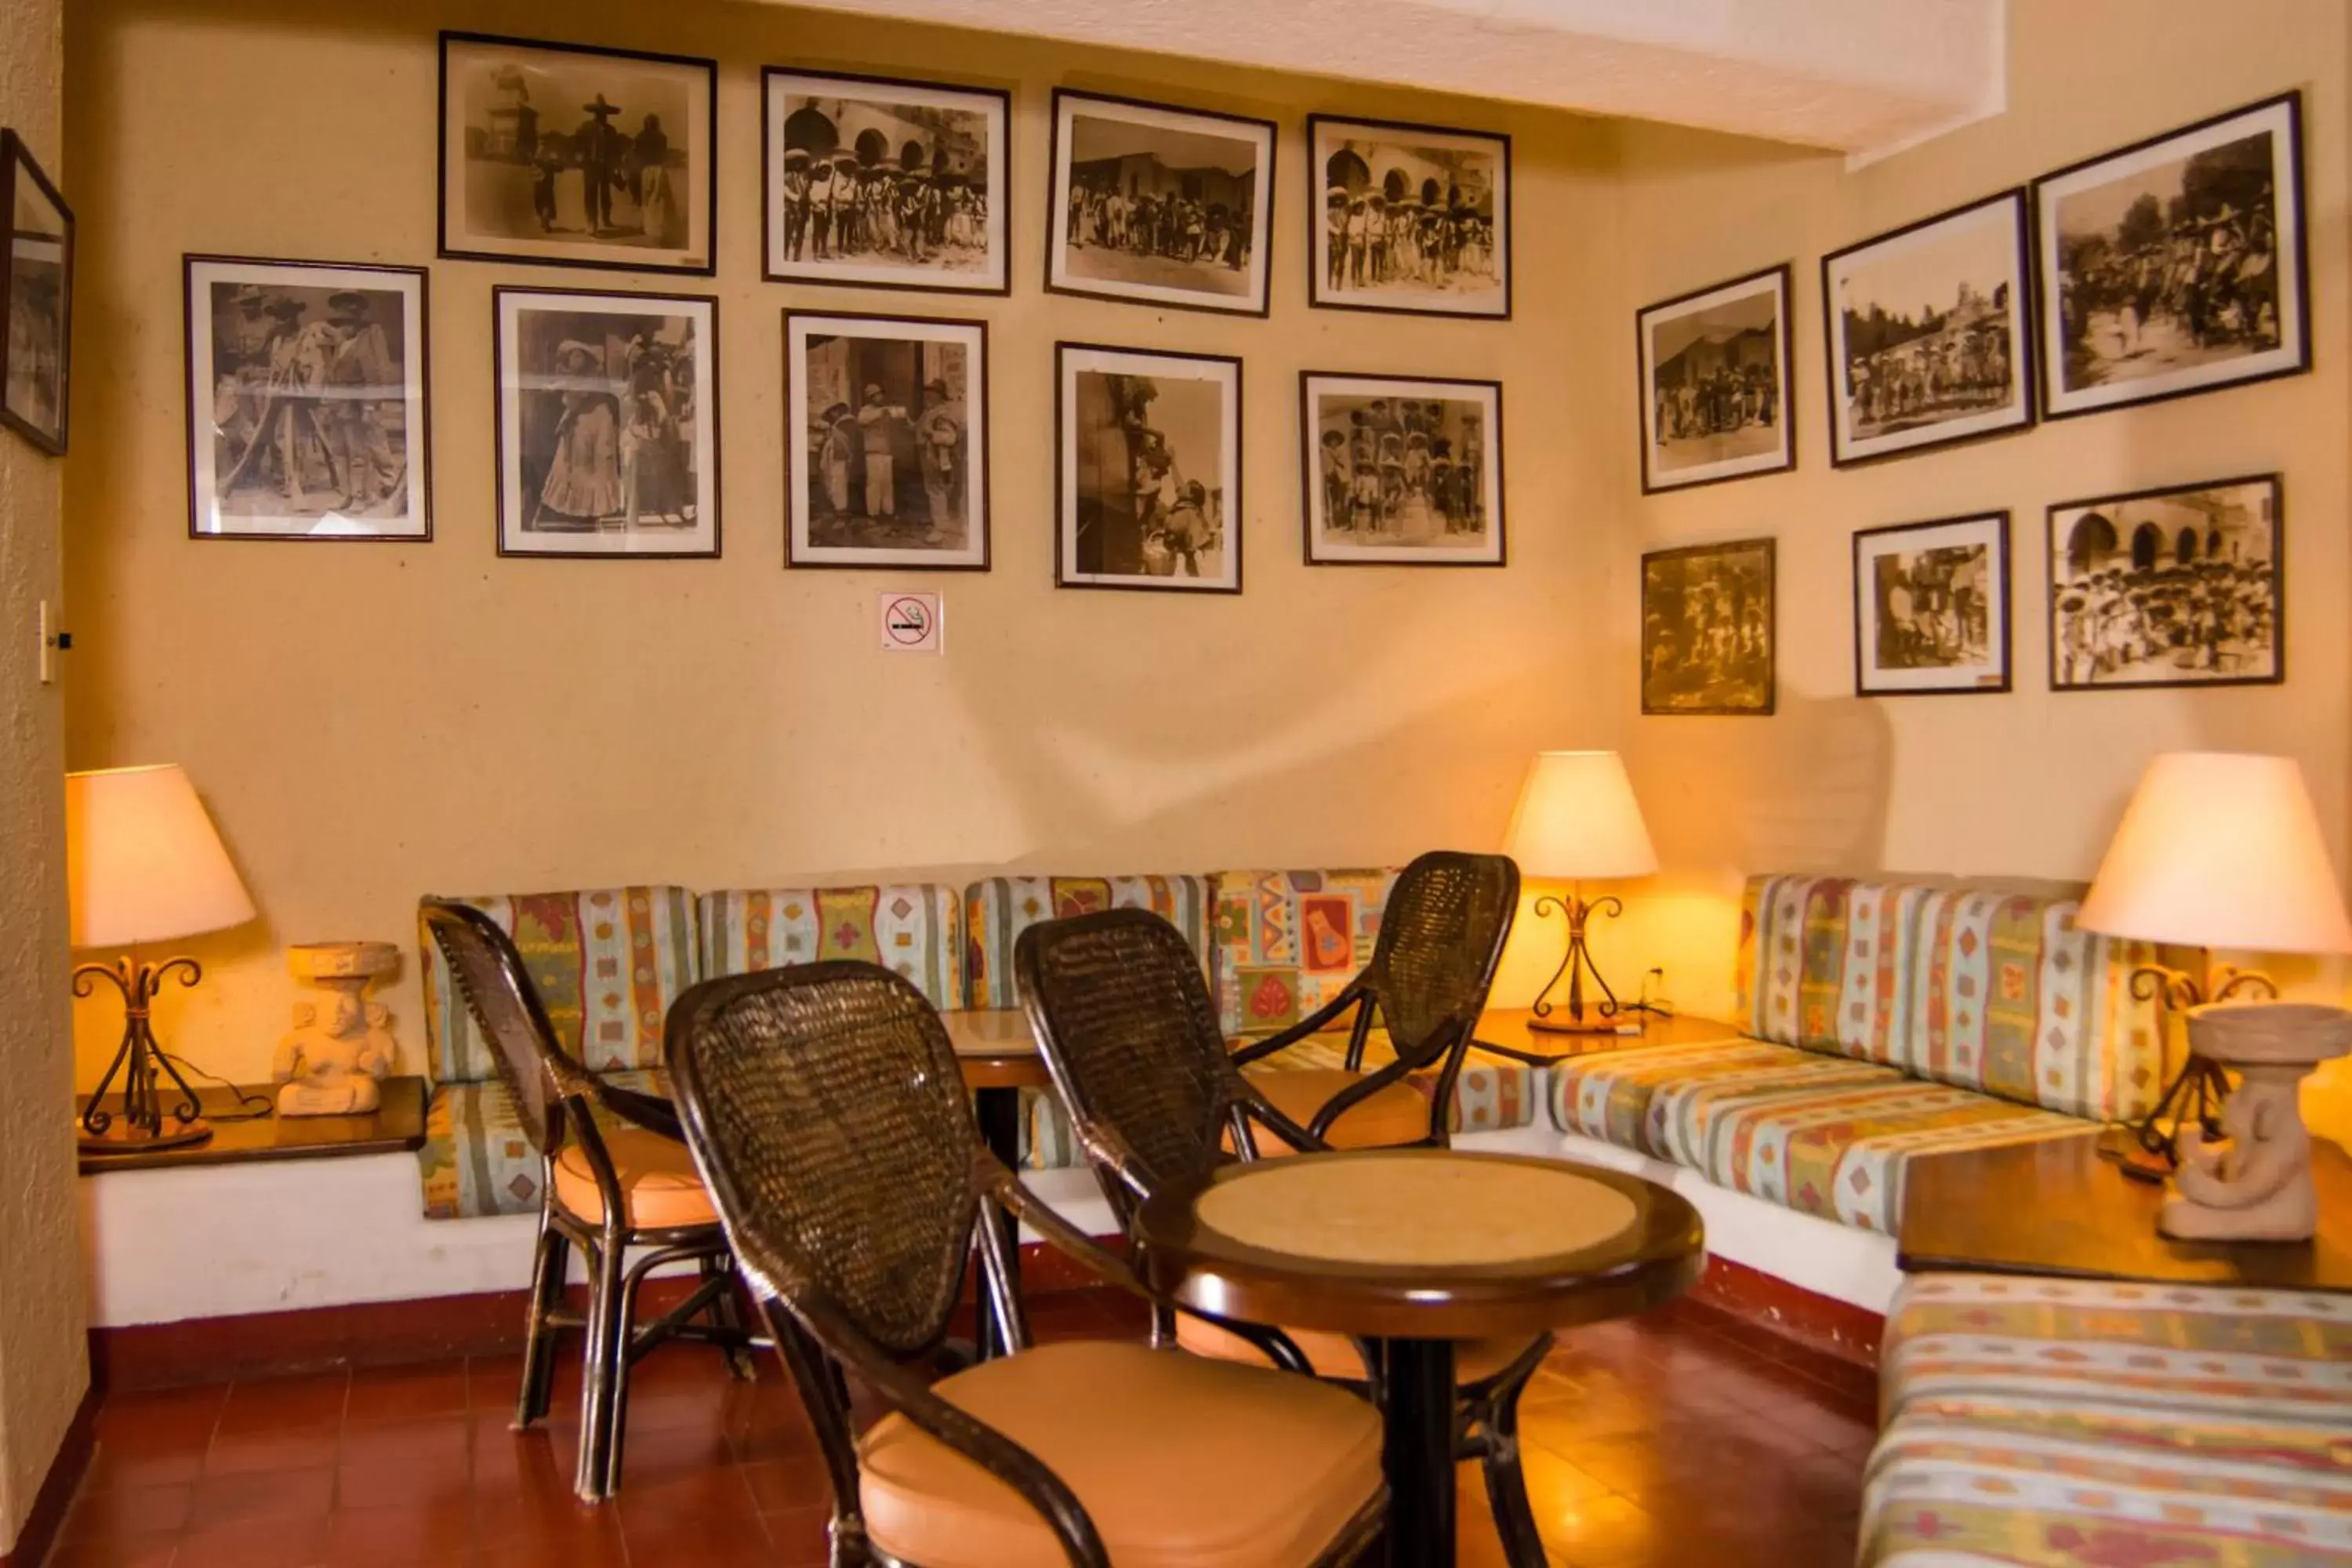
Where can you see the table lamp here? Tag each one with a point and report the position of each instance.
(1577, 821)
(142, 865)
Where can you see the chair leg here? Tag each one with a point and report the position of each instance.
(727, 1312)
(605, 1283)
(1506, 1485)
(623, 1334)
(547, 1281)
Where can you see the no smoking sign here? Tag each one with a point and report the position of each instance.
(910, 623)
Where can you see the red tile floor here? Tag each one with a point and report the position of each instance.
(1676, 1440)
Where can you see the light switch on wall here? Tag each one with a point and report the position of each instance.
(49, 645)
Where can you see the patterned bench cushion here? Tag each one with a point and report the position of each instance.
(998, 909)
(910, 927)
(607, 963)
(1614, 1095)
(477, 1160)
(1288, 942)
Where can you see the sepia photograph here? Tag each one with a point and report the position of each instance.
(307, 400)
(2183, 586)
(1414, 219)
(1148, 470)
(2176, 266)
(887, 423)
(1715, 383)
(1160, 205)
(1707, 629)
(1927, 337)
(885, 183)
(1931, 608)
(568, 155)
(1402, 472)
(35, 300)
(607, 423)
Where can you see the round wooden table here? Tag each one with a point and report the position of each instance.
(1416, 1248)
(997, 1053)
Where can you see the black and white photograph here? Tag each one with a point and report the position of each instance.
(2183, 586)
(1414, 219)
(1402, 471)
(569, 155)
(886, 422)
(35, 300)
(1715, 383)
(607, 423)
(1931, 608)
(885, 183)
(1928, 343)
(1160, 205)
(1707, 629)
(1148, 470)
(2175, 266)
(307, 400)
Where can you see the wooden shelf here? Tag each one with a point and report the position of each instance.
(396, 1126)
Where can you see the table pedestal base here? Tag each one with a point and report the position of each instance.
(999, 1110)
(1418, 1452)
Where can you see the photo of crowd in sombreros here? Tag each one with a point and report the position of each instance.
(1411, 220)
(1403, 471)
(1715, 378)
(1150, 465)
(1707, 628)
(892, 452)
(1159, 204)
(2170, 588)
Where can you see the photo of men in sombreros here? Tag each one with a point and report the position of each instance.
(1403, 471)
(1159, 204)
(868, 188)
(2172, 588)
(888, 450)
(1410, 221)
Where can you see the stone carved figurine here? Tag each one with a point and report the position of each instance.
(342, 1046)
(2253, 1183)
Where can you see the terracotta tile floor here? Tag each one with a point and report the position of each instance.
(1670, 1441)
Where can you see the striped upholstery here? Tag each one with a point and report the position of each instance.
(476, 1161)
(1289, 941)
(998, 909)
(1611, 1095)
(910, 927)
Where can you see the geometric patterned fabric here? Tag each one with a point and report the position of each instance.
(1289, 941)
(998, 909)
(911, 929)
(477, 1160)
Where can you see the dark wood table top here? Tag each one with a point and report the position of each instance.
(1511, 1032)
(2057, 1208)
(396, 1126)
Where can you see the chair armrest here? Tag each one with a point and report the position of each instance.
(650, 1111)
(1310, 1024)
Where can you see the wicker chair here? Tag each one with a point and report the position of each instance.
(625, 1185)
(1130, 1036)
(826, 1111)
(1442, 935)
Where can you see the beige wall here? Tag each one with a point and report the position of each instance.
(43, 1369)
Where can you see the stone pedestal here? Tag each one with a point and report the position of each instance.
(341, 1046)
(2253, 1183)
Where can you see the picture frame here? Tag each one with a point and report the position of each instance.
(1400, 471)
(633, 186)
(1451, 257)
(1147, 203)
(1135, 429)
(1699, 355)
(2183, 585)
(36, 298)
(940, 233)
(1931, 608)
(1900, 383)
(282, 444)
(607, 422)
(905, 485)
(1709, 648)
(2152, 289)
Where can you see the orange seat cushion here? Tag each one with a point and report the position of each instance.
(658, 1181)
(1335, 1355)
(1179, 1461)
(1397, 1113)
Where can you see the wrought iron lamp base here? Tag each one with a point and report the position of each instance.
(144, 1121)
(2149, 1152)
(1607, 1016)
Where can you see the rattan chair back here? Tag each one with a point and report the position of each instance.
(495, 987)
(1442, 935)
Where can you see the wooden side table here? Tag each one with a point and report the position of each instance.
(396, 1126)
(1510, 1032)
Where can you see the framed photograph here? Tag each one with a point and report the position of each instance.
(566, 156)
(1147, 470)
(885, 183)
(1402, 471)
(887, 419)
(35, 301)
(1931, 606)
(2183, 586)
(308, 410)
(1707, 629)
(1715, 383)
(1927, 337)
(607, 423)
(2175, 266)
(1414, 219)
(1159, 206)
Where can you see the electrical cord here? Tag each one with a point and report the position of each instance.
(251, 1106)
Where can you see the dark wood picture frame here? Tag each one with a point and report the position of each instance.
(421, 469)
(1998, 631)
(707, 411)
(2292, 190)
(1058, 205)
(1771, 549)
(1314, 227)
(796, 477)
(2022, 334)
(1234, 512)
(1783, 278)
(17, 163)
(1000, 195)
(708, 191)
(2274, 482)
(1310, 468)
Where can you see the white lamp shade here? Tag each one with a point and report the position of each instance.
(1577, 820)
(2221, 849)
(142, 862)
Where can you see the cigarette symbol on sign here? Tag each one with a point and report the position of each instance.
(907, 621)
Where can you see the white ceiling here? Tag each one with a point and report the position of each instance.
(1864, 77)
